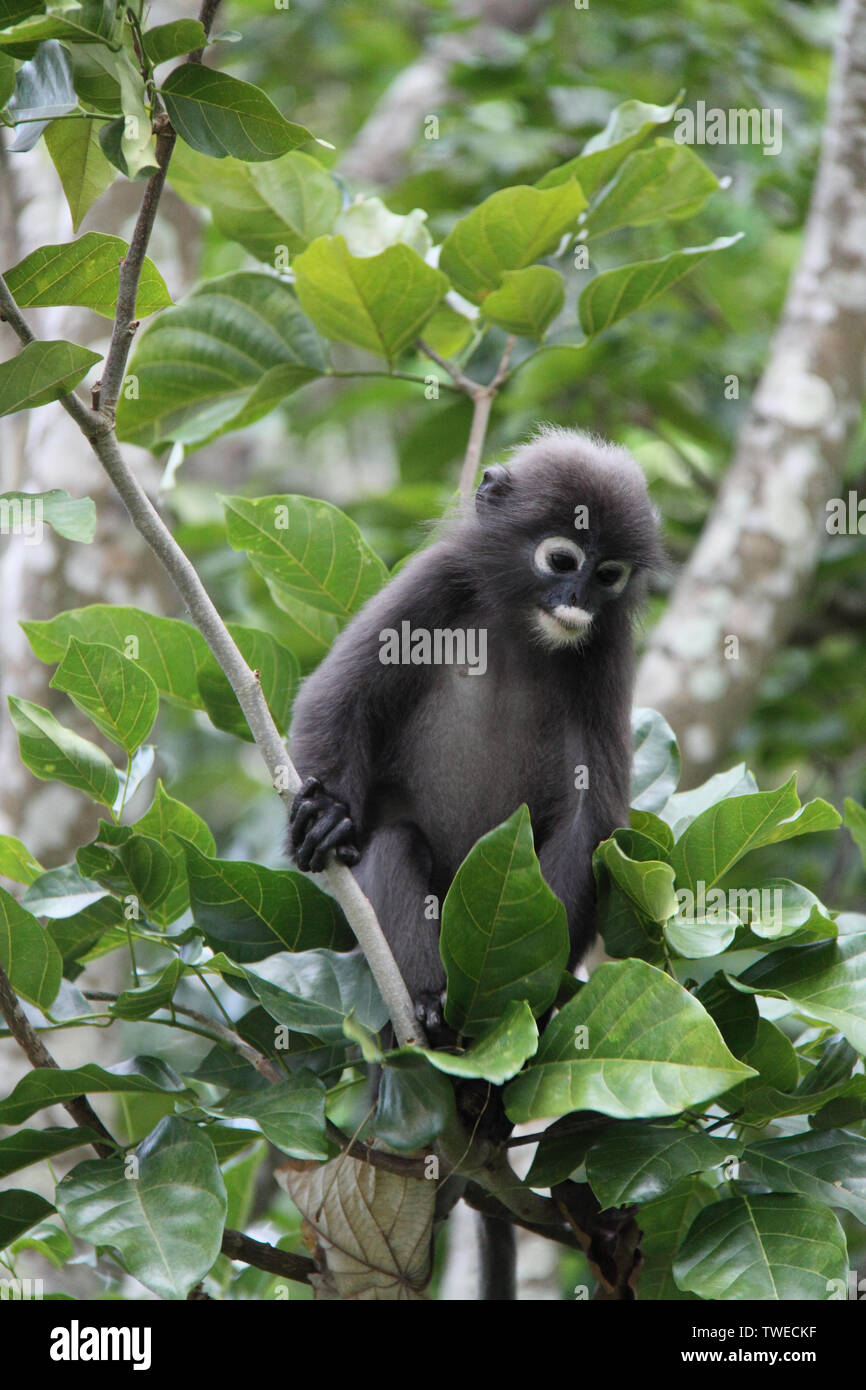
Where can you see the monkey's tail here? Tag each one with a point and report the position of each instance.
(498, 1252)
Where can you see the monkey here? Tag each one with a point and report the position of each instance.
(407, 762)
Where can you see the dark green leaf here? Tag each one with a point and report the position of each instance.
(219, 115)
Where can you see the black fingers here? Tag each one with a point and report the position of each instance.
(318, 825)
(430, 1012)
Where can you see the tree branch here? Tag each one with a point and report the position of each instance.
(125, 323)
(37, 1054)
(481, 397)
(337, 880)
(237, 1246)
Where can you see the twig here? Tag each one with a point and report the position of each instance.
(481, 397)
(215, 1030)
(37, 1054)
(131, 265)
(237, 1246)
(337, 880)
(377, 1158)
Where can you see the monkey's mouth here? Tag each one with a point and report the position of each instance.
(563, 627)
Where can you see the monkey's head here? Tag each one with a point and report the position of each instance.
(565, 535)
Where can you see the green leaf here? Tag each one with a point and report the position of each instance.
(199, 363)
(43, 90)
(19, 1210)
(527, 302)
(166, 1223)
(655, 762)
(776, 908)
(278, 676)
(7, 78)
(615, 293)
(829, 1166)
(653, 831)
(55, 754)
(51, 1086)
(168, 650)
(415, 1102)
(291, 1114)
(307, 548)
(628, 126)
(500, 1051)
(855, 822)
(639, 1163)
(129, 142)
(173, 40)
(285, 203)
(41, 372)
(250, 911)
(681, 809)
(669, 181)
(16, 861)
(827, 981)
(697, 938)
(61, 892)
(132, 864)
(219, 115)
(648, 883)
(504, 931)
(84, 272)
(313, 991)
(764, 1247)
(71, 517)
(380, 303)
(721, 835)
(140, 1003)
(28, 1146)
(651, 1049)
(166, 818)
(665, 1224)
(509, 230)
(27, 954)
(112, 690)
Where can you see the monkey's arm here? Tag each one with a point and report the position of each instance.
(351, 705)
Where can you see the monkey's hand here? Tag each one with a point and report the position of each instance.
(318, 823)
(430, 1012)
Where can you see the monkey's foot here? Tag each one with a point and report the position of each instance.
(430, 1012)
(318, 824)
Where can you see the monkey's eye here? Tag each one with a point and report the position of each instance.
(558, 555)
(613, 575)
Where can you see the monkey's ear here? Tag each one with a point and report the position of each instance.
(495, 484)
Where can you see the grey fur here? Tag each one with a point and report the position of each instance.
(415, 763)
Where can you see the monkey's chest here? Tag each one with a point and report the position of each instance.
(481, 747)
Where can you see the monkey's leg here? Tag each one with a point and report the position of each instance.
(395, 873)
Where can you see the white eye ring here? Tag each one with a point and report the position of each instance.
(620, 582)
(553, 545)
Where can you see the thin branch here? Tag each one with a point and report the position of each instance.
(481, 397)
(237, 1246)
(377, 1158)
(215, 1030)
(481, 407)
(125, 322)
(37, 1054)
(463, 382)
(337, 880)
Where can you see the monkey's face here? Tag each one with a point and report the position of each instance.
(571, 586)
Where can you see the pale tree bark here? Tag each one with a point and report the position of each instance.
(751, 570)
(379, 151)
